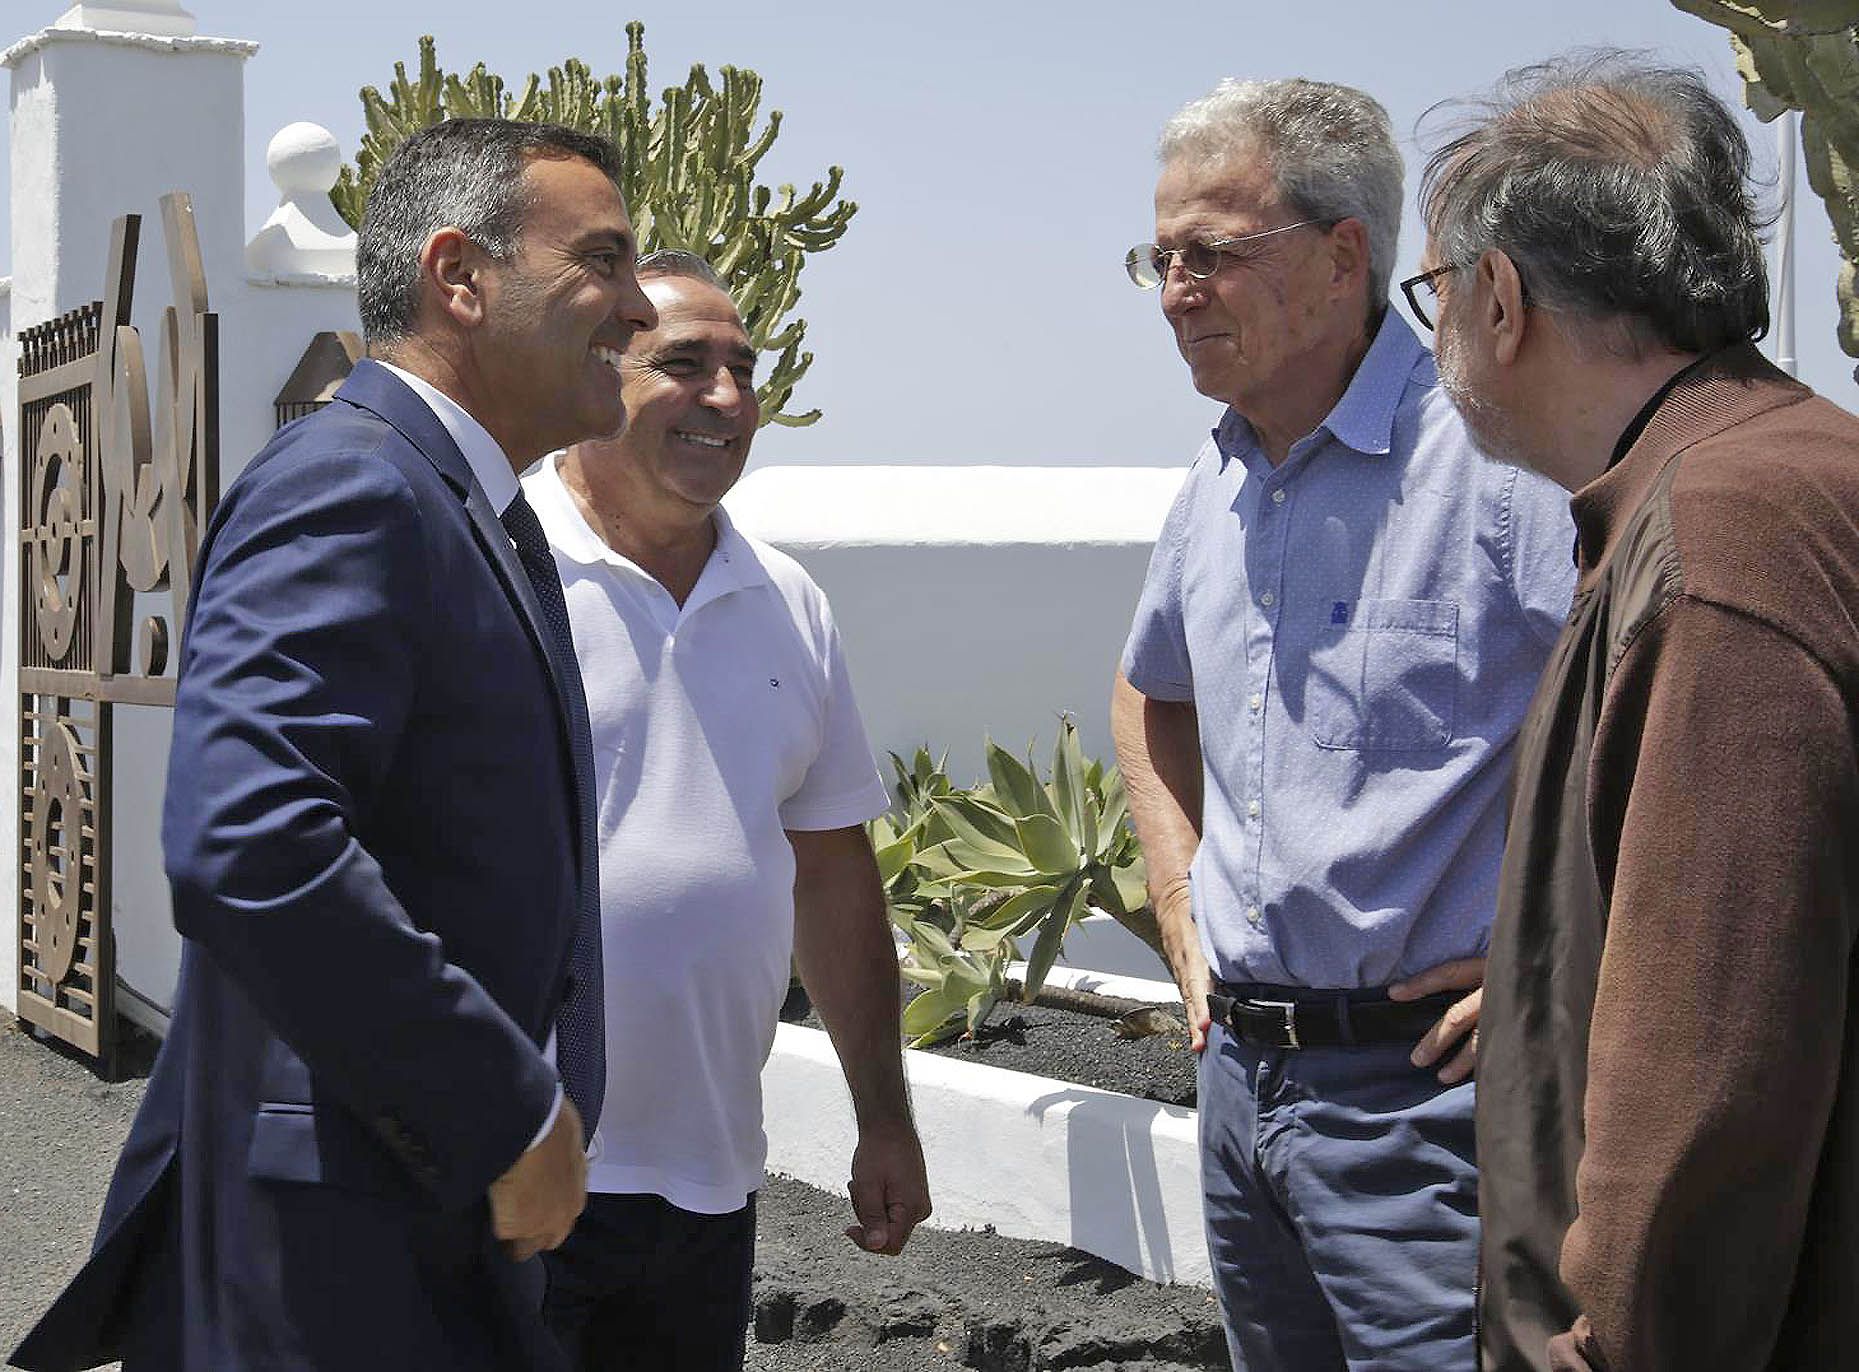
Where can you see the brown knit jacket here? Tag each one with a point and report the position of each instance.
(1668, 1100)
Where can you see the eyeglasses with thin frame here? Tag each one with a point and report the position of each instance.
(1428, 282)
(1148, 264)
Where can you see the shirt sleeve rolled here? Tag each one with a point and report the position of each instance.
(1155, 657)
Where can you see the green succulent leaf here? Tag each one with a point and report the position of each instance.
(929, 1012)
(1116, 809)
(961, 864)
(933, 941)
(982, 938)
(1051, 936)
(1067, 788)
(983, 826)
(1020, 912)
(894, 859)
(1014, 783)
(1048, 846)
(1132, 885)
(980, 1007)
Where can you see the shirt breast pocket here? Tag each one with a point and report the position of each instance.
(1388, 679)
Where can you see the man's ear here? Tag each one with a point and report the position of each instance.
(451, 271)
(1500, 305)
(1348, 240)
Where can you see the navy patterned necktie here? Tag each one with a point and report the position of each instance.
(580, 1028)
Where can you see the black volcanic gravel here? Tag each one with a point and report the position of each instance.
(958, 1299)
(953, 1300)
(1079, 1048)
(1084, 1049)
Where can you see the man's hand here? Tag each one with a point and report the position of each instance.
(1459, 1022)
(890, 1193)
(1175, 919)
(535, 1203)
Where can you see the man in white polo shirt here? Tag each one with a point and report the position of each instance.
(733, 779)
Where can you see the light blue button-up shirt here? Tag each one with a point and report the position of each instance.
(1360, 630)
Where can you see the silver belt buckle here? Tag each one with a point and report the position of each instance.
(1290, 1013)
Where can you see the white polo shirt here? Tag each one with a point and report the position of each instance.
(717, 725)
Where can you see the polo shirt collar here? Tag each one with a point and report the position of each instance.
(1363, 419)
(482, 453)
(733, 565)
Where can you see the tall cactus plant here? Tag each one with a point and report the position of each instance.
(689, 177)
(1804, 55)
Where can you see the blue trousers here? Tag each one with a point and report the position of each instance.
(1341, 1201)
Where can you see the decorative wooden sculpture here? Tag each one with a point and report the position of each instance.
(113, 500)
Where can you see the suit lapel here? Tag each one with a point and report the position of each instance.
(377, 390)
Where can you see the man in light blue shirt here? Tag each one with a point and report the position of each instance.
(1341, 630)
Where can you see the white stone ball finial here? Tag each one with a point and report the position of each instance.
(303, 159)
(304, 236)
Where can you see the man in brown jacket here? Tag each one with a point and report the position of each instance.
(1668, 1101)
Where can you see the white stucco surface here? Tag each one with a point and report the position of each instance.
(1033, 1157)
(972, 600)
(304, 239)
(83, 151)
(1058, 507)
(152, 17)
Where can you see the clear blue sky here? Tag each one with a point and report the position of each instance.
(1002, 157)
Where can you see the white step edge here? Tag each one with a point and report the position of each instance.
(1105, 983)
(1033, 1157)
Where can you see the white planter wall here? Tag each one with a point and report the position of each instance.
(1032, 1157)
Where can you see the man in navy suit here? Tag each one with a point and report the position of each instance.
(368, 1115)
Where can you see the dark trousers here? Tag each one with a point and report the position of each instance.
(641, 1284)
(1341, 1194)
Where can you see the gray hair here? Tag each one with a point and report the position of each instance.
(678, 262)
(1621, 192)
(1331, 150)
(463, 173)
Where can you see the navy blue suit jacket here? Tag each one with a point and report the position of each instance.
(370, 833)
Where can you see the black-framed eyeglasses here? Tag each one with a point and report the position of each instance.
(1422, 292)
(1148, 264)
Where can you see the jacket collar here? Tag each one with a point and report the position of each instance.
(1715, 394)
(374, 388)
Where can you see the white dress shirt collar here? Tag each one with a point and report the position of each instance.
(482, 453)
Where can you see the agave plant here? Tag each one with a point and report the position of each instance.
(977, 871)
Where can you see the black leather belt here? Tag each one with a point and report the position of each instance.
(1298, 1017)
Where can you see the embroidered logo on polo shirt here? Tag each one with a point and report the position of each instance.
(1339, 612)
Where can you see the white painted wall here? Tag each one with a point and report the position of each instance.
(972, 600)
(84, 150)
